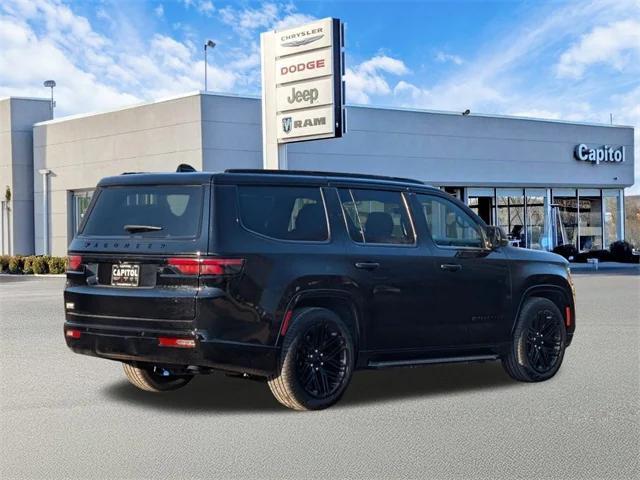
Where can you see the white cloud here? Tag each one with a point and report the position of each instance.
(48, 40)
(616, 44)
(270, 16)
(447, 57)
(159, 11)
(205, 7)
(368, 78)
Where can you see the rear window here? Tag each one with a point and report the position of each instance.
(157, 211)
(285, 213)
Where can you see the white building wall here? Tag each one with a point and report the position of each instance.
(216, 132)
(80, 151)
(17, 116)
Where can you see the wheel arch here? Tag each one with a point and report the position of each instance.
(558, 294)
(342, 303)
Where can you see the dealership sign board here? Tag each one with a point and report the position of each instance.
(601, 154)
(302, 86)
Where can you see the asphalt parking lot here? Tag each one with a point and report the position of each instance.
(68, 416)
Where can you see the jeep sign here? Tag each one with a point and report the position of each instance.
(302, 87)
(312, 93)
(597, 155)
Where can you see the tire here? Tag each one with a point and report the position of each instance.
(538, 344)
(304, 381)
(146, 378)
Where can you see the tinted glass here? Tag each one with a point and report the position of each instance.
(375, 216)
(448, 224)
(157, 211)
(285, 213)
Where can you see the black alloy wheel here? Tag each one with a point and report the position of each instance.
(316, 361)
(539, 341)
(544, 341)
(321, 360)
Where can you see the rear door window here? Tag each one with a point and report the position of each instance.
(163, 211)
(284, 213)
(376, 216)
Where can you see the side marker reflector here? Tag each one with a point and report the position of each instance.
(73, 333)
(176, 342)
(285, 322)
(567, 316)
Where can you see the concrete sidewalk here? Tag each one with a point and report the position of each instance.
(606, 267)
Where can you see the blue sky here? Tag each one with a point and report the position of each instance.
(572, 60)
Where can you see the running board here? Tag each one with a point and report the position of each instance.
(428, 361)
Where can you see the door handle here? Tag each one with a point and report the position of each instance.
(451, 267)
(367, 265)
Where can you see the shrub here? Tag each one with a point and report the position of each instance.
(621, 251)
(601, 255)
(15, 264)
(27, 266)
(57, 264)
(4, 263)
(568, 251)
(40, 265)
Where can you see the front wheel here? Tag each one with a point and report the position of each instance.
(316, 362)
(154, 379)
(539, 342)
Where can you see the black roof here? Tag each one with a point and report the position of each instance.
(256, 175)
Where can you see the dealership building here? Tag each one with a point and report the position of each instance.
(546, 182)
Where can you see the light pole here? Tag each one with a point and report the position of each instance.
(50, 84)
(209, 44)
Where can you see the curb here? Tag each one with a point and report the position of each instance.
(34, 275)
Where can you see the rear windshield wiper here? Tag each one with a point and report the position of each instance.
(142, 228)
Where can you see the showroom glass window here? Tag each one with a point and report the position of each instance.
(80, 203)
(510, 213)
(612, 217)
(377, 216)
(565, 216)
(589, 219)
(481, 201)
(448, 224)
(536, 224)
(284, 213)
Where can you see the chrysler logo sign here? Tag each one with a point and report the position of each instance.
(303, 37)
(597, 155)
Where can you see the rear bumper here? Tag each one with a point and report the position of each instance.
(135, 345)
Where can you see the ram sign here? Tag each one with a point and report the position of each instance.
(302, 87)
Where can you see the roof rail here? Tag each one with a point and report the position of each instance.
(132, 173)
(311, 173)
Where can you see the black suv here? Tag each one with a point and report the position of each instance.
(300, 278)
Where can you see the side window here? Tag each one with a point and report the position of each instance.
(285, 213)
(375, 216)
(449, 225)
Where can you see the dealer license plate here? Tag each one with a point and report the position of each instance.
(125, 275)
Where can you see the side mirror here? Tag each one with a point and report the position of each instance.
(495, 237)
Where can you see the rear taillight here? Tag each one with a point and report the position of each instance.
(206, 266)
(75, 261)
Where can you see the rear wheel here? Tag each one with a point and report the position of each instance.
(154, 379)
(316, 362)
(539, 342)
